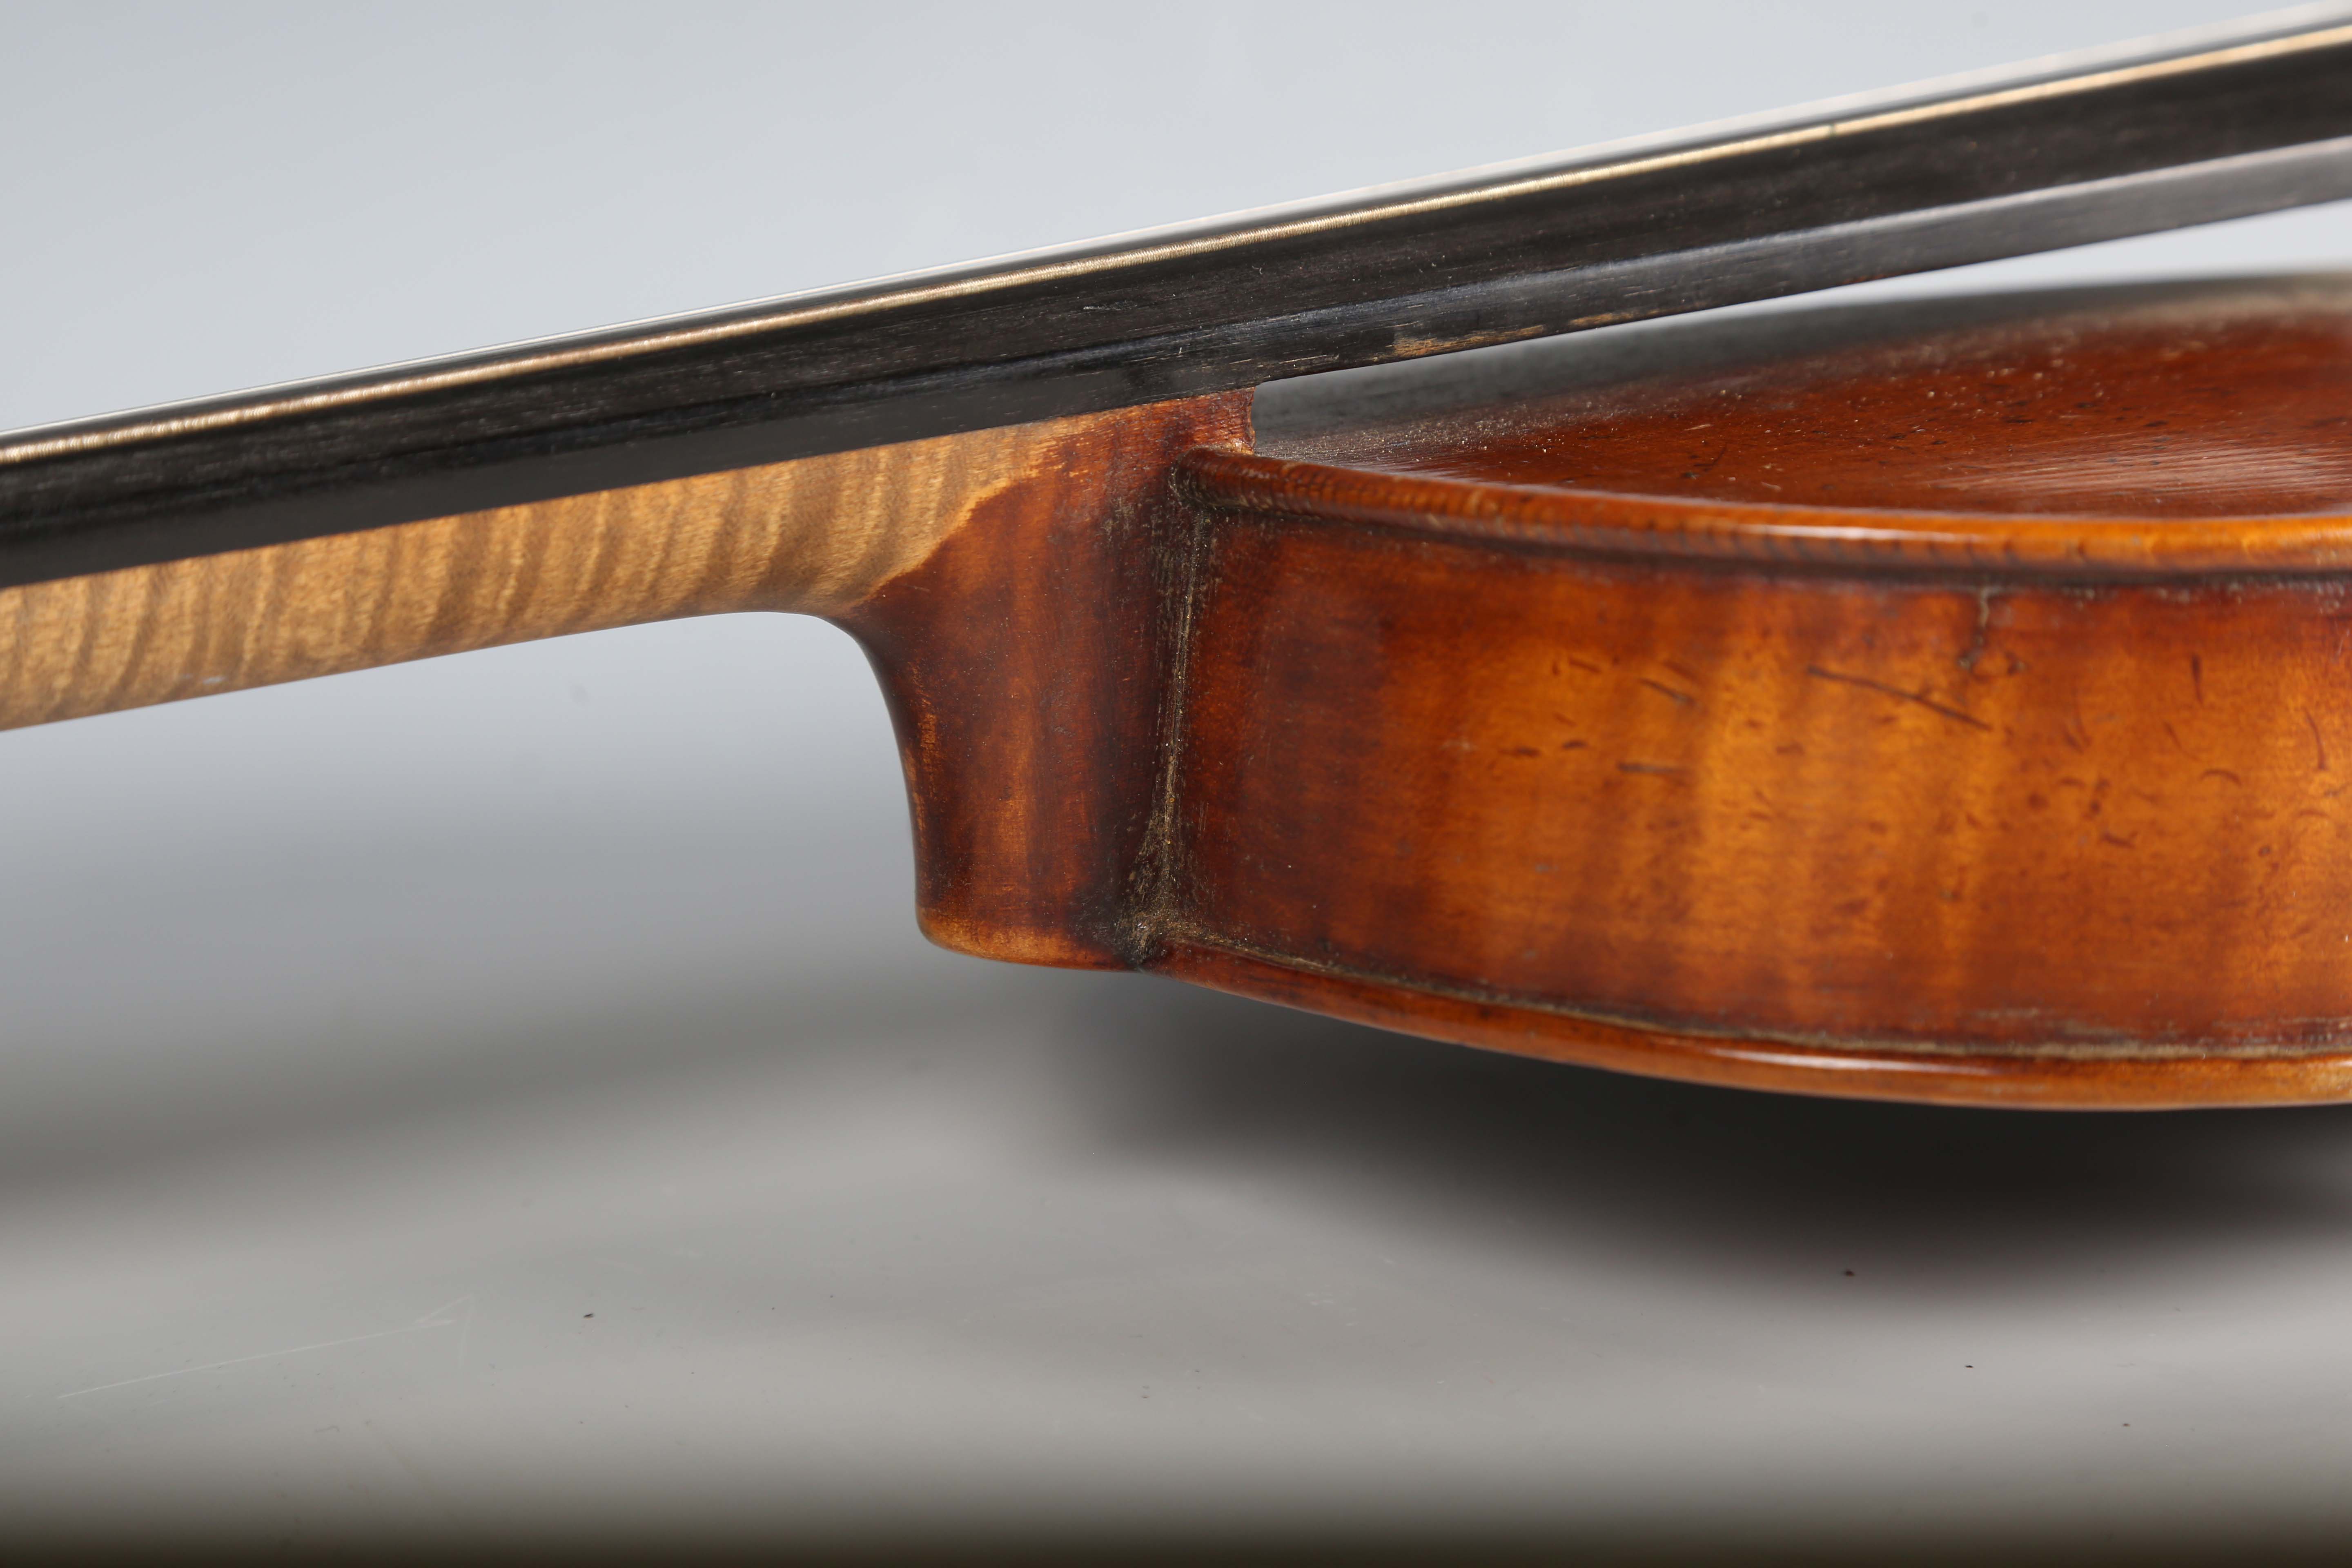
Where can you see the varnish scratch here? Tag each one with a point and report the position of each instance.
(1978, 638)
(1954, 714)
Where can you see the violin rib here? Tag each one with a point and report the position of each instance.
(1957, 711)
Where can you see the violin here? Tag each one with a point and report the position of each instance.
(1938, 701)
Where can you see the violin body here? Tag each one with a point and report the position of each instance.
(1962, 713)
(1947, 703)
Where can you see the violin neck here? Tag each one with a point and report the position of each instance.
(818, 535)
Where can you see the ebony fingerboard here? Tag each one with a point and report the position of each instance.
(2095, 151)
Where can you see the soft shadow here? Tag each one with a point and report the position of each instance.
(1706, 1183)
(809, 1023)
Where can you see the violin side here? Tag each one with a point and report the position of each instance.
(1956, 711)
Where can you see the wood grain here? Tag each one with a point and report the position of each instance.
(2138, 406)
(1540, 728)
(2057, 819)
(816, 535)
(1030, 665)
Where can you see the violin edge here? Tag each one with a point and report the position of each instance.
(1871, 540)
(2058, 1079)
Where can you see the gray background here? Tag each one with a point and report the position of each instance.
(360, 1040)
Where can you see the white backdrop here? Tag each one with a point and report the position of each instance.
(507, 1096)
